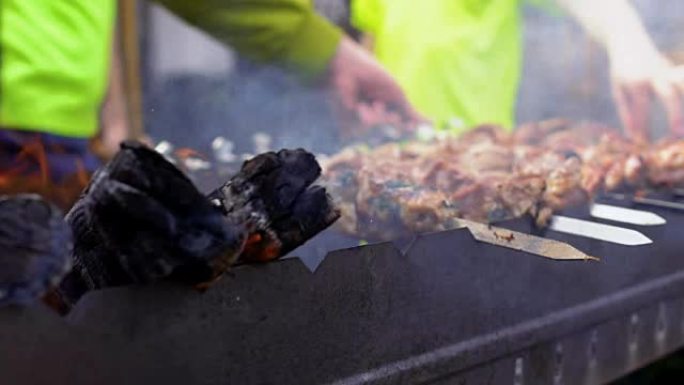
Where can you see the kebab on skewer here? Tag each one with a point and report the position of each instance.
(488, 175)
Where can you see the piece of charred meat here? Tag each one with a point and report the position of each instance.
(36, 248)
(141, 220)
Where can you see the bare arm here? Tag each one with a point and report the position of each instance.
(610, 22)
(638, 69)
(291, 34)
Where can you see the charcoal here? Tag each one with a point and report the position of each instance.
(274, 197)
(140, 220)
(36, 246)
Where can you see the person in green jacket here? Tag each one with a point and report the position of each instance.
(54, 59)
(462, 58)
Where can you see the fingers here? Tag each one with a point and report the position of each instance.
(378, 113)
(633, 91)
(369, 115)
(343, 70)
(677, 76)
(348, 94)
(409, 117)
(623, 109)
(366, 89)
(633, 104)
(670, 96)
(415, 117)
(395, 101)
(640, 97)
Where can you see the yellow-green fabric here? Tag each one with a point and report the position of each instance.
(55, 54)
(285, 32)
(454, 58)
(54, 58)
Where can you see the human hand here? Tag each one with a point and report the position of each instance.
(367, 91)
(639, 75)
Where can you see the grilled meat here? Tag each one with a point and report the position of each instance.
(664, 164)
(489, 175)
(396, 189)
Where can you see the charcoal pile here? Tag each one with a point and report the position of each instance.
(274, 198)
(36, 248)
(141, 219)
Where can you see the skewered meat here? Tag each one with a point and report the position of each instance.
(485, 133)
(408, 208)
(561, 135)
(609, 161)
(490, 175)
(399, 189)
(617, 159)
(486, 158)
(560, 176)
(665, 164)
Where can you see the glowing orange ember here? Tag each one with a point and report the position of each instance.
(33, 153)
(261, 249)
(29, 172)
(185, 153)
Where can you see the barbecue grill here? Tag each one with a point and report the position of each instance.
(442, 308)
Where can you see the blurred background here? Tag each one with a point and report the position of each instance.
(191, 83)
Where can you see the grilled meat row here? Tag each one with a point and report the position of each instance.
(489, 175)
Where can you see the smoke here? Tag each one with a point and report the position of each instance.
(192, 110)
(566, 74)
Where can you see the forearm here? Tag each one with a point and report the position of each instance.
(284, 32)
(615, 24)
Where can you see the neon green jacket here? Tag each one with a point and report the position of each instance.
(454, 58)
(55, 54)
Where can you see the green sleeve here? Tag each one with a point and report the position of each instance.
(366, 15)
(284, 32)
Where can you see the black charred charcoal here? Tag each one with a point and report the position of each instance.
(311, 213)
(141, 219)
(273, 195)
(36, 248)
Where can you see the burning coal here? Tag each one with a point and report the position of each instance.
(141, 219)
(54, 167)
(36, 248)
